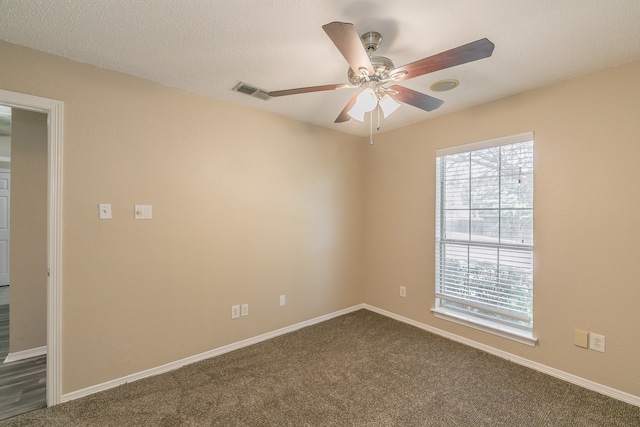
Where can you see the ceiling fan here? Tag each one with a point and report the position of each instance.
(372, 73)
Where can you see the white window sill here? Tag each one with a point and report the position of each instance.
(494, 328)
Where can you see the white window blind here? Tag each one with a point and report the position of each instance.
(484, 231)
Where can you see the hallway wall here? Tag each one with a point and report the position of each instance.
(28, 265)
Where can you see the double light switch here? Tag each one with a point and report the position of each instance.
(140, 211)
(143, 211)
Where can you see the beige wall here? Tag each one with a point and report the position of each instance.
(246, 206)
(28, 255)
(587, 232)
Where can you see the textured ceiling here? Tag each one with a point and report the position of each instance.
(208, 46)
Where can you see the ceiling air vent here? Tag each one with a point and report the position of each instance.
(252, 91)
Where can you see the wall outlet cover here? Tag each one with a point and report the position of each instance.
(235, 311)
(596, 342)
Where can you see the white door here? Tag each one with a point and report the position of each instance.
(5, 180)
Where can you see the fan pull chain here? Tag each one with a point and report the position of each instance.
(371, 128)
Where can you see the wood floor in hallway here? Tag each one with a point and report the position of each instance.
(23, 382)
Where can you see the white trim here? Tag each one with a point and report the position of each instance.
(565, 376)
(590, 385)
(5, 159)
(206, 355)
(54, 110)
(484, 325)
(26, 354)
(478, 145)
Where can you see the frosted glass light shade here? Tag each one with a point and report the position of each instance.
(388, 105)
(356, 113)
(365, 102)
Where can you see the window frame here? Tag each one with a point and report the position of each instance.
(520, 334)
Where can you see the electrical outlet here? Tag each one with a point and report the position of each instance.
(244, 310)
(235, 311)
(283, 300)
(403, 291)
(596, 342)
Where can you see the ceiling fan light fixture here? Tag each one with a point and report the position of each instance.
(388, 105)
(398, 75)
(371, 73)
(365, 102)
(356, 114)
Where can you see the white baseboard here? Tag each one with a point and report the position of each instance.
(573, 379)
(590, 385)
(206, 355)
(25, 354)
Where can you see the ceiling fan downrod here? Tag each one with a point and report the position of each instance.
(371, 40)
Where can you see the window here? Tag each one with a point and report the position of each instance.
(484, 235)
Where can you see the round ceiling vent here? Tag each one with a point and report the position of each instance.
(444, 85)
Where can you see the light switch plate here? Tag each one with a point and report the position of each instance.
(142, 211)
(105, 210)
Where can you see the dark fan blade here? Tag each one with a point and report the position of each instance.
(344, 36)
(343, 117)
(307, 89)
(417, 99)
(473, 51)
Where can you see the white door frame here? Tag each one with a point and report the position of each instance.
(8, 171)
(54, 111)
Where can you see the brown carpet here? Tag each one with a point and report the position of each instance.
(361, 369)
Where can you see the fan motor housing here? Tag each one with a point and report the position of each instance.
(381, 68)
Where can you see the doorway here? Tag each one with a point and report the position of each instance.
(23, 260)
(53, 110)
